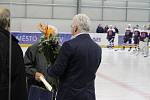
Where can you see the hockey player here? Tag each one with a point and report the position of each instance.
(110, 36)
(144, 42)
(136, 38)
(128, 37)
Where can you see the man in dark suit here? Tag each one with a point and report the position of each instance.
(77, 63)
(11, 60)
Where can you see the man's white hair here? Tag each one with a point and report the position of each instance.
(83, 22)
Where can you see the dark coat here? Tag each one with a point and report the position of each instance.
(36, 62)
(76, 68)
(99, 29)
(18, 78)
(116, 30)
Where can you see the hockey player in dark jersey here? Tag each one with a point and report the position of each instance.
(136, 38)
(110, 36)
(128, 38)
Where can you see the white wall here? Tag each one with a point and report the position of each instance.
(26, 17)
(30, 25)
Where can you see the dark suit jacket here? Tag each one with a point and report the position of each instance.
(76, 67)
(18, 78)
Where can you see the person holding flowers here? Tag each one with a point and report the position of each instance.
(42, 54)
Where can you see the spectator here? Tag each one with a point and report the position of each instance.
(148, 27)
(17, 91)
(116, 29)
(99, 29)
(106, 28)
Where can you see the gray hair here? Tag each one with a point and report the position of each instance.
(4, 18)
(83, 22)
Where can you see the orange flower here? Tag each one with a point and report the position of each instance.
(47, 30)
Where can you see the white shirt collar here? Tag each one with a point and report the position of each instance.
(78, 35)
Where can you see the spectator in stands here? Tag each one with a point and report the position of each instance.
(99, 29)
(148, 27)
(116, 29)
(106, 28)
(11, 60)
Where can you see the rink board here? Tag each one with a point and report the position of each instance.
(28, 38)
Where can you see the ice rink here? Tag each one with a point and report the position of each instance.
(122, 75)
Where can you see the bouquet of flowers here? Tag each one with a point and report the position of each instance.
(49, 43)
